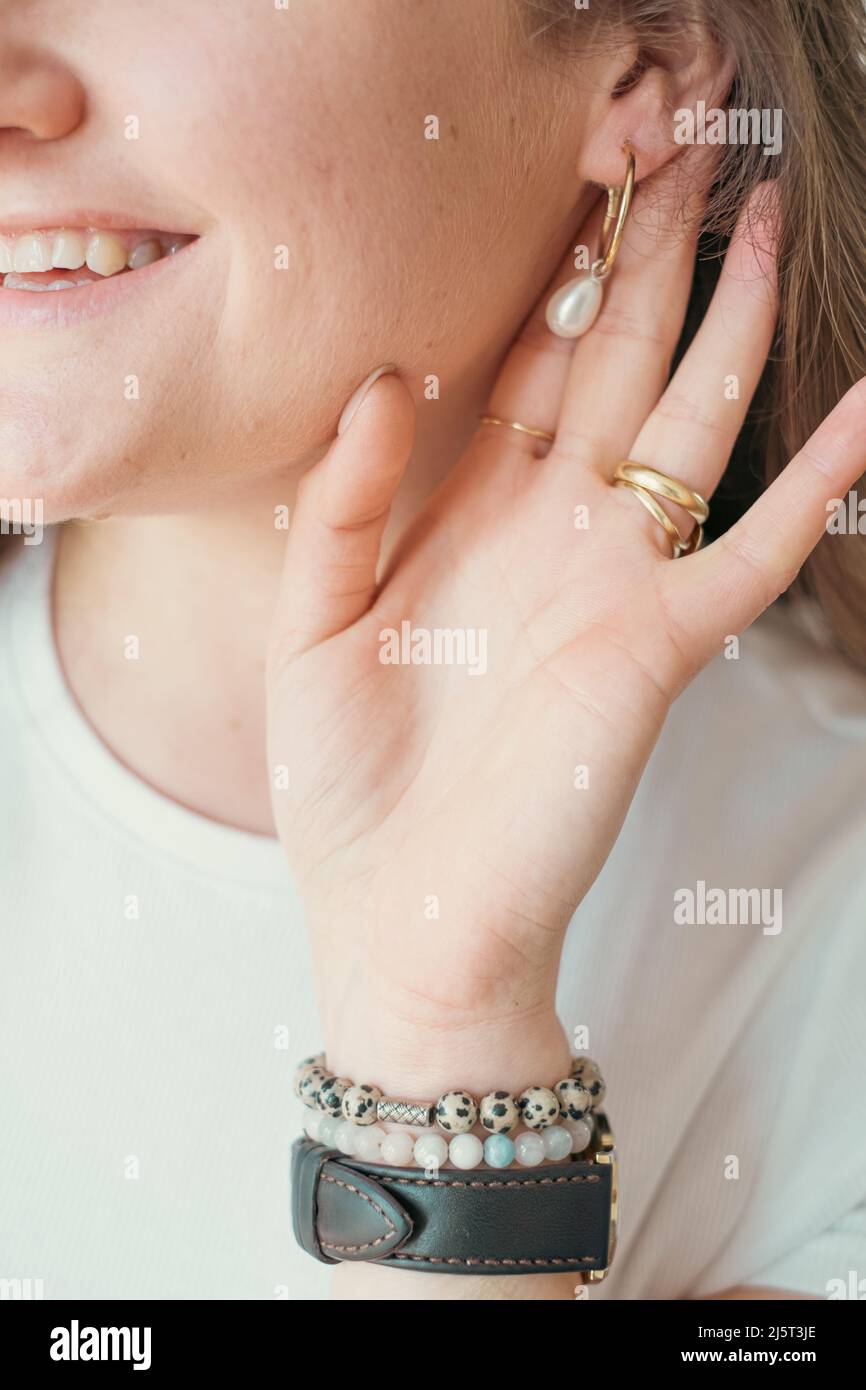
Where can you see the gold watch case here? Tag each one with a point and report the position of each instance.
(605, 1153)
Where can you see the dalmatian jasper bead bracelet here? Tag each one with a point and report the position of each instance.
(556, 1122)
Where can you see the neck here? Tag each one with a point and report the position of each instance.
(162, 623)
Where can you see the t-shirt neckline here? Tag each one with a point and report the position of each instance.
(111, 789)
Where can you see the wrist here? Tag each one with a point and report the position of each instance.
(420, 1015)
(419, 1060)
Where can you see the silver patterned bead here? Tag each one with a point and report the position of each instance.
(331, 1092)
(308, 1089)
(418, 1114)
(359, 1104)
(575, 1103)
(539, 1107)
(456, 1112)
(499, 1112)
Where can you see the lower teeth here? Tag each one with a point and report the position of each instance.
(14, 281)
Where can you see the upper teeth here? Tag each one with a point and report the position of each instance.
(104, 253)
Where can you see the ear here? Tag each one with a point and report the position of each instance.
(645, 90)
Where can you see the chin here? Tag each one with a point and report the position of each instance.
(67, 473)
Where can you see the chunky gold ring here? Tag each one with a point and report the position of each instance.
(648, 484)
(664, 486)
(513, 425)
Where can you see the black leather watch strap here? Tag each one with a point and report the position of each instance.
(491, 1221)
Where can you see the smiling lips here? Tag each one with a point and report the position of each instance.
(30, 260)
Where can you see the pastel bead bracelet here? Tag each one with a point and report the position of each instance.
(402, 1149)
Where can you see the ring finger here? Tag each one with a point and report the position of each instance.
(691, 432)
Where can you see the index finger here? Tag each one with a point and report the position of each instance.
(722, 589)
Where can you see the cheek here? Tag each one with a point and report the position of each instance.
(350, 238)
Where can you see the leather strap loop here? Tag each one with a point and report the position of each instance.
(339, 1213)
(358, 1218)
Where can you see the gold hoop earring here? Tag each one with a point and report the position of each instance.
(574, 308)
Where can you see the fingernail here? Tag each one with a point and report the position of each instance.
(351, 406)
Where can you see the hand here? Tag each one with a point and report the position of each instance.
(413, 780)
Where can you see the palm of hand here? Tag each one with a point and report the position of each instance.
(452, 821)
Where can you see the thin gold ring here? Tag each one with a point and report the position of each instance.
(514, 425)
(671, 489)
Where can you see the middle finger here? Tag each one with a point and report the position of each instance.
(692, 431)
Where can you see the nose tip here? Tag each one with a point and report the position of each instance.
(38, 96)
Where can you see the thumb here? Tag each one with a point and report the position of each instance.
(329, 577)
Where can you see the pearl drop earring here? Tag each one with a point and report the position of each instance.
(574, 308)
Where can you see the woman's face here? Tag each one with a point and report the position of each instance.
(331, 235)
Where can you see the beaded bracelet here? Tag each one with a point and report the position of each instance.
(558, 1121)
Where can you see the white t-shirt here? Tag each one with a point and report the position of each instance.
(156, 992)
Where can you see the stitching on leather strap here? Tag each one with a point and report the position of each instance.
(474, 1260)
(365, 1197)
(513, 1182)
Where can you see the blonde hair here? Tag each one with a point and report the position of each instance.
(806, 58)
